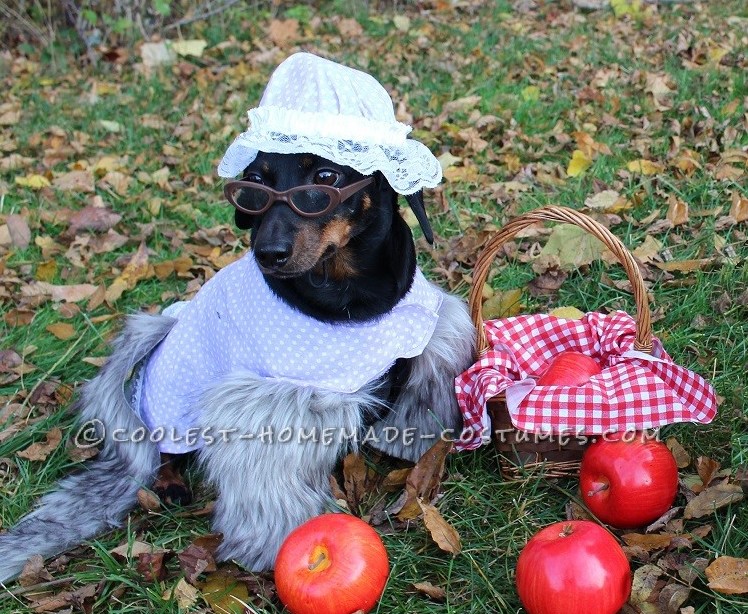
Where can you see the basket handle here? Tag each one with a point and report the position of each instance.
(643, 341)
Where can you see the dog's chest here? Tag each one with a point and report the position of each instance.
(236, 324)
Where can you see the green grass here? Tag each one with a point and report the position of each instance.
(486, 50)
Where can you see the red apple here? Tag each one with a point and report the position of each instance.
(573, 567)
(569, 369)
(332, 564)
(628, 481)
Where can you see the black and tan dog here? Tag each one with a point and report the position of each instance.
(335, 251)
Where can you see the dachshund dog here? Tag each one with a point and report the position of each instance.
(330, 250)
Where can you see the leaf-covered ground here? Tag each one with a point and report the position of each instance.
(636, 114)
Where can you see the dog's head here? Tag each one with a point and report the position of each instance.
(306, 213)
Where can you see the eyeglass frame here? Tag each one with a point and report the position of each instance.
(337, 195)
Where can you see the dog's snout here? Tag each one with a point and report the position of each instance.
(273, 255)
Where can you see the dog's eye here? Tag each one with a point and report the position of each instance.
(253, 178)
(326, 177)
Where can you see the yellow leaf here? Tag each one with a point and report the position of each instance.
(626, 7)
(573, 246)
(225, 594)
(503, 304)
(579, 163)
(531, 93)
(110, 126)
(35, 182)
(135, 271)
(193, 47)
(567, 313)
(645, 167)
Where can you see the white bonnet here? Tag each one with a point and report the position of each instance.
(312, 105)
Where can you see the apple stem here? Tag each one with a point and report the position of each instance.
(566, 531)
(318, 561)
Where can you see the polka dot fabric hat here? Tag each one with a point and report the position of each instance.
(312, 105)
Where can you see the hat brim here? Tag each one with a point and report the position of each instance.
(408, 167)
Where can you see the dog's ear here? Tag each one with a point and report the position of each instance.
(416, 204)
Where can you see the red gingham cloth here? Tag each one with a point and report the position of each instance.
(635, 390)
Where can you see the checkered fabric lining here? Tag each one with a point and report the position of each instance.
(634, 391)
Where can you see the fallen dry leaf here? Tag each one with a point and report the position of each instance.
(712, 499)
(424, 479)
(645, 167)
(224, 593)
(62, 330)
(41, 450)
(677, 211)
(573, 246)
(183, 593)
(135, 271)
(443, 533)
(19, 231)
(195, 560)
(503, 304)
(152, 566)
(682, 458)
(728, 575)
(707, 468)
(437, 593)
(578, 164)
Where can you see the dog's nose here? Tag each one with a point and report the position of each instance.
(273, 256)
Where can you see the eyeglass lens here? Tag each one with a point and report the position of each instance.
(306, 200)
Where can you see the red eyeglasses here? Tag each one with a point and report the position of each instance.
(306, 200)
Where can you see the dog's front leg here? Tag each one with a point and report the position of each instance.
(274, 446)
(426, 408)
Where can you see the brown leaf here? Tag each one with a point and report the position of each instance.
(713, 498)
(62, 330)
(728, 575)
(739, 207)
(645, 589)
(18, 228)
(19, 317)
(152, 565)
(396, 479)
(355, 474)
(133, 550)
(707, 469)
(41, 450)
(282, 32)
(195, 560)
(97, 219)
(72, 293)
(425, 479)
(443, 533)
(655, 541)
(672, 596)
(34, 572)
(677, 212)
(349, 27)
(682, 458)
(75, 181)
(437, 593)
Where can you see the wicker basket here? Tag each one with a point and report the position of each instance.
(522, 453)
